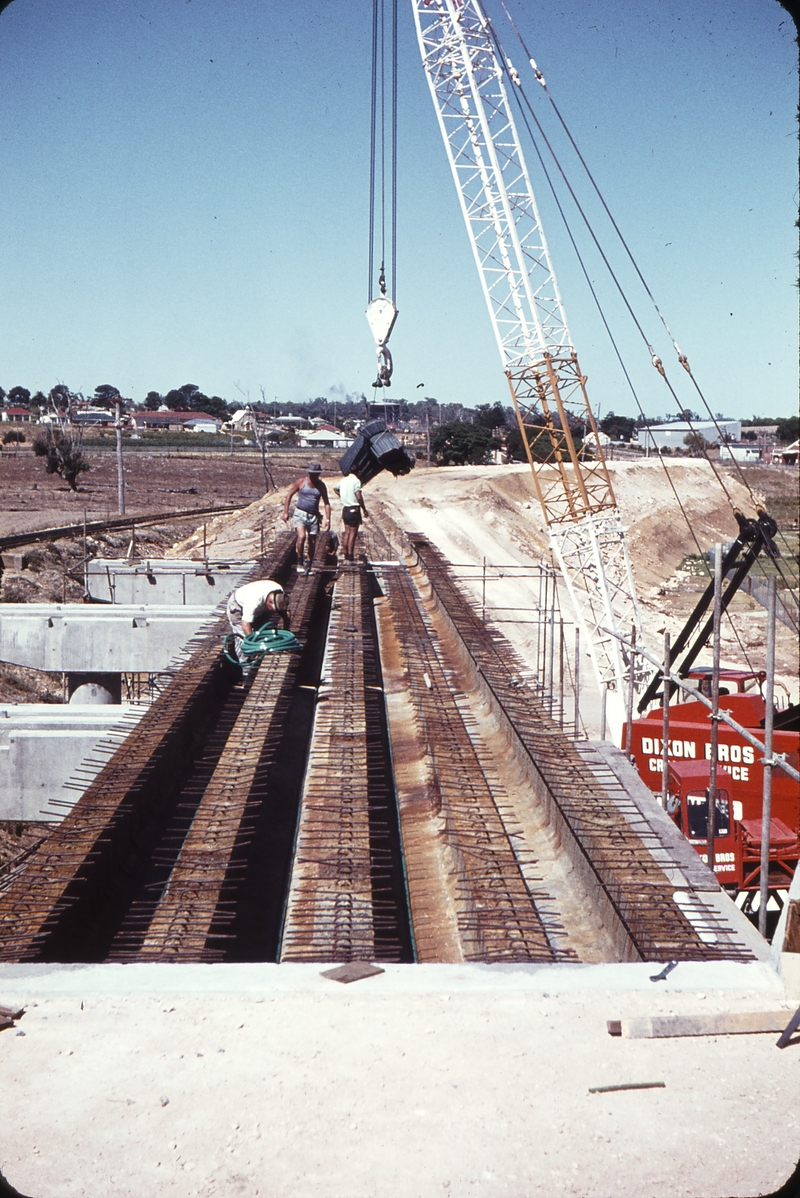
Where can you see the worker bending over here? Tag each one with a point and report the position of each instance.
(352, 507)
(253, 605)
(310, 491)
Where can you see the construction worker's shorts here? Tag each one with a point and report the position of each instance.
(351, 516)
(307, 520)
(235, 620)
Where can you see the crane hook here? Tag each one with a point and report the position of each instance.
(381, 315)
(384, 378)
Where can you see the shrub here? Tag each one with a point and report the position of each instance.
(63, 455)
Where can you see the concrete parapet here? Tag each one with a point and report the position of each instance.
(42, 745)
(164, 580)
(98, 639)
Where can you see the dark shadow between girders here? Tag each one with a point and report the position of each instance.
(392, 920)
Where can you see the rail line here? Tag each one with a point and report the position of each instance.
(145, 519)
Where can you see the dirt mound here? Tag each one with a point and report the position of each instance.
(492, 513)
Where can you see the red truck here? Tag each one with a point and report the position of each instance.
(740, 778)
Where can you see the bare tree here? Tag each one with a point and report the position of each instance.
(61, 442)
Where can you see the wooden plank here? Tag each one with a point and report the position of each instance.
(727, 1023)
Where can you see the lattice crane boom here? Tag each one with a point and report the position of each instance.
(468, 85)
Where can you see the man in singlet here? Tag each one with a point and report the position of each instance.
(310, 491)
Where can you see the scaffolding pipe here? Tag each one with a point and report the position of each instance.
(682, 684)
(665, 725)
(766, 801)
(578, 681)
(712, 769)
(631, 685)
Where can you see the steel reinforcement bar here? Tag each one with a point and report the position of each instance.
(346, 899)
(198, 906)
(636, 887)
(498, 912)
(75, 876)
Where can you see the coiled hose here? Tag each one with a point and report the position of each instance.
(259, 642)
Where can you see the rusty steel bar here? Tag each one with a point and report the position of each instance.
(493, 901)
(80, 861)
(637, 888)
(330, 912)
(193, 901)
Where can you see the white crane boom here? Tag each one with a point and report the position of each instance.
(466, 80)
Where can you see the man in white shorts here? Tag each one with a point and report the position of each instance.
(253, 605)
(352, 507)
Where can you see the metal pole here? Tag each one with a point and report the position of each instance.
(603, 711)
(577, 681)
(120, 472)
(483, 592)
(631, 681)
(428, 436)
(561, 672)
(551, 650)
(542, 631)
(665, 725)
(712, 770)
(766, 802)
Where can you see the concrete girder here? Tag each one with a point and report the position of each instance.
(164, 580)
(98, 639)
(42, 746)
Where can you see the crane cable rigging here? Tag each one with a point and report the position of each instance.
(682, 359)
(381, 311)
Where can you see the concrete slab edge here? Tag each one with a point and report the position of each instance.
(28, 981)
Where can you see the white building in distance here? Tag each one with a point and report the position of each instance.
(673, 435)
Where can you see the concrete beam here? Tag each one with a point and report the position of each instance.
(42, 745)
(164, 580)
(80, 638)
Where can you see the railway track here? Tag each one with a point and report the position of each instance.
(342, 803)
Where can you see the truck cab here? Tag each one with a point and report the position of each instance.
(737, 841)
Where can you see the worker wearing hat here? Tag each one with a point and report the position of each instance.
(310, 491)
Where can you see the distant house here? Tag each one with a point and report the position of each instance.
(93, 418)
(203, 424)
(18, 416)
(787, 455)
(747, 451)
(176, 421)
(673, 435)
(325, 439)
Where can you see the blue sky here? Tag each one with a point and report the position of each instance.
(185, 187)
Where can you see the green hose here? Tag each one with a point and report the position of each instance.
(262, 640)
